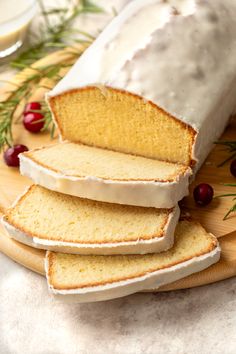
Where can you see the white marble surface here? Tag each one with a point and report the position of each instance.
(201, 320)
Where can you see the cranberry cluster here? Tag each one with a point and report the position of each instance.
(33, 122)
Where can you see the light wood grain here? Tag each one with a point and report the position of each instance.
(29, 257)
(12, 184)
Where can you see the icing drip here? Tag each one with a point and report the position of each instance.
(179, 54)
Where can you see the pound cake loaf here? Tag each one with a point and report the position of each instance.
(106, 176)
(159, 81)
(54, 221)
(96, 278)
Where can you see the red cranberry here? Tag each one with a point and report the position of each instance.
(11, 155)
(233, 168)
(31, 107)
(33, 122)
(203, 194)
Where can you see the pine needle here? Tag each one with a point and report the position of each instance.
(233, 209)
(231, 147)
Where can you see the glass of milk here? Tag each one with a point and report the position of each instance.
(15, 17)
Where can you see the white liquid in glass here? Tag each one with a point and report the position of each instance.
(15, 16)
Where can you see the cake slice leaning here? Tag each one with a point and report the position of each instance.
(54, 221)
(97, 278)
(107, 176)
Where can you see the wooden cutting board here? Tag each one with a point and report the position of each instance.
(211, 217)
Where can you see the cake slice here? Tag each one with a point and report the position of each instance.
(106, 176)
(96, 278)
(150, 87)
(54, 221)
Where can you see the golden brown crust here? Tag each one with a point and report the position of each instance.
(50, 259)
(192, 131)
(183, 169)
(9, 219)
(52, 256)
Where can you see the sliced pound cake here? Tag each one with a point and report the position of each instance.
(151, 87)
(54, 221)
(106, 176)
(96, 278)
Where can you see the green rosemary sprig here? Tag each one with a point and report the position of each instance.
(233, 209)
(231, 146)
(57, 35)
(9, 107)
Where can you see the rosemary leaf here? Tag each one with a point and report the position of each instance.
(230, 184)
(233, 209)
(231, 146)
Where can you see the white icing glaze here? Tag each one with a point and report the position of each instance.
(138, 193)
(158, 244)
(147, 282)
(179, 54)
